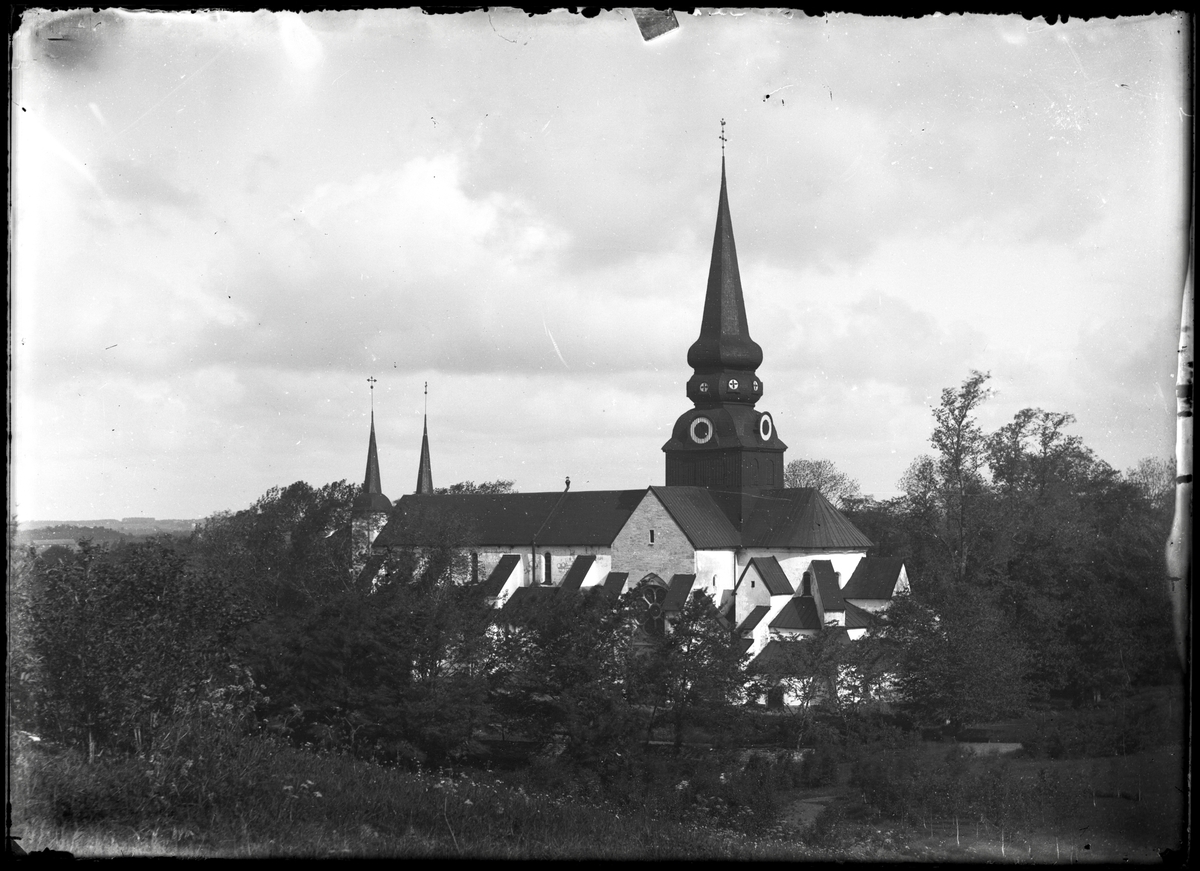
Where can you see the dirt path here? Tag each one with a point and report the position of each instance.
(804, 810)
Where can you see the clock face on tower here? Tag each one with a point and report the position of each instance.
(701, 430)
(766, 428)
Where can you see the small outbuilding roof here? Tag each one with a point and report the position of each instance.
(677, 592)
(857, 618)
(573, 580)
(757, 613)
(771, 572)
(873, 578)
(800, 612)
(500, 575)
(827, 585)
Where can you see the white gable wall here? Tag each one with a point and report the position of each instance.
(796, 562)
(716, 572)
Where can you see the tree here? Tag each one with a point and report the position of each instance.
(123, 636)
(838, 487)
(947, 494)
(563, 670)
(290, 549)
(957, 664)
(1154, 478)
(695, 672)
(487, 487)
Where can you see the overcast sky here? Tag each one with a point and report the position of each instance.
(226, 222)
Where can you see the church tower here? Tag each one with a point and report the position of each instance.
(724, 443)
(371, 509)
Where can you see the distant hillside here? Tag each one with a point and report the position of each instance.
(43, 533)
(127, 525)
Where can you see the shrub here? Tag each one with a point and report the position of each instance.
(820, 768)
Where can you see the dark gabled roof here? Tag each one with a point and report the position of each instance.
(857, 618)
(516, 519)
(698, 515)
(800, 612)
(774, 655)
(577, 572)
(771, 572)
(799, 517)
(591, 517)
(500, 574)
(677, 593)
(371, 568)
(524, 602)
(873, 578)
(614, 584)
(754, 617)
(827, 585)
(777, 656)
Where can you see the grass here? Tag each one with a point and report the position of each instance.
(250, 797)
(283, 801)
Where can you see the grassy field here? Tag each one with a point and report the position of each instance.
(250, 797)
(1127, 809)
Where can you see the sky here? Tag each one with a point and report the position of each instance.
(225, 223)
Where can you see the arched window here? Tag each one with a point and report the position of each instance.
(546, 579)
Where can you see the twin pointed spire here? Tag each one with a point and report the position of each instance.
(371, 498)
(424, 470)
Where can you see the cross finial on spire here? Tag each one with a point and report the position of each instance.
(427, 397)
(371, 381)
(722, 138)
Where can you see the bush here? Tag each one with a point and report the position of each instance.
(820, 768)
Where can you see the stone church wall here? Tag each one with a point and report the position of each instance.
(670, 553)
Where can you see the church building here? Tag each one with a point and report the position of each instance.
(777, 561)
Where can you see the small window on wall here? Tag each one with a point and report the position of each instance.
(474, 566)
(806, 584)
(652, 536)
(546, 579)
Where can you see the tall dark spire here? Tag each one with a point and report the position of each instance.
(724, 357)
(371, 482)
(370, 498)
(723, 443)
(424, 471)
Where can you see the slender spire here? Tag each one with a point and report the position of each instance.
(724, 354)
(371, 482)
(371, 497)
(424, 471)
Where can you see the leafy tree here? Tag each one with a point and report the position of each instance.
(836, 486)
(947, 493)
(563, 669)
(497, 486)
(290, 549)
(694, 673)
(1154, 478)
(956, 665)
(122, 636)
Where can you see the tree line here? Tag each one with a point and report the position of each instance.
(1036, 573)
